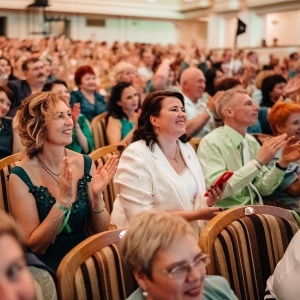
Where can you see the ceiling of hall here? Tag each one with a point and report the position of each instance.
(161, 9)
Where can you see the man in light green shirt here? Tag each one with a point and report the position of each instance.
(222, 150)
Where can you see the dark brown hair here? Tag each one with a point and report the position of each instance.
(152, 106)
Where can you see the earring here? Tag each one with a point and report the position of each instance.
(145, 293)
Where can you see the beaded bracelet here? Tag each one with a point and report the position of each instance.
(97, 211)
(61, 207)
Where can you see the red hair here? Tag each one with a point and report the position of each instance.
(81, 71)
(280, 113)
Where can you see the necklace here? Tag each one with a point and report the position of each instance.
(48, 170)
(176, 157)
(51, 173)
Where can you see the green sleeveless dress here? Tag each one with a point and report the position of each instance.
(65, 241)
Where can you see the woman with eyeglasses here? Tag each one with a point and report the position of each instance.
(166, 261)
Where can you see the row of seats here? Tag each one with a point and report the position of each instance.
(244, 244)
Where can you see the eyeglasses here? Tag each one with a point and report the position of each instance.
(181, 271)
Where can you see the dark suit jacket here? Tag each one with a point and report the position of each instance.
(20, 89)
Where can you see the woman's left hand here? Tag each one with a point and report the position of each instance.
(104, 174)
(214, 194)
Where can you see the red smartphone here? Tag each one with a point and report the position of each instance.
(223, 178)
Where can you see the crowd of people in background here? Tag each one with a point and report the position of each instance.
(90, 71)
(157, 97)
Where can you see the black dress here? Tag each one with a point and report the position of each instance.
(6, 137)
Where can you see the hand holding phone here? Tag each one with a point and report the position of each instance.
(222, 179)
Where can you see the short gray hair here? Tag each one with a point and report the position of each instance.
(147, 233)
(227, 98)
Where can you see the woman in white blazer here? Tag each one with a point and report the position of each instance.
(160, 170)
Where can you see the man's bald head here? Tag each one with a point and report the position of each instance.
(192, 81)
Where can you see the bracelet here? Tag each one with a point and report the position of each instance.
(257, 164)
(97, 211)
(61, 207)
(278, 166)
(261, 164)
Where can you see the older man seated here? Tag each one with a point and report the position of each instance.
(230, 148)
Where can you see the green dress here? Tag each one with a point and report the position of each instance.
(65, 241)
(86, 130)
(126, 127)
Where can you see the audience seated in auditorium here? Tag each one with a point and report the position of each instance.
(35, 78)
(122, 113)
(163, 254)
(199, 115)
(160, 170)
(91, 102)
(274, 88)
(6, 71)
(6, 123)
(53, 190)
(82, 138)
(285, 118)
(230, 148)
(145, 65)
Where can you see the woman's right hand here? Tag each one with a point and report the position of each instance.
(67, 188)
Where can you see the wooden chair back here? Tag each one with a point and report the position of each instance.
(100, 156)
(6, 164)
(195, 143)
(245, 244)
(94, 270)
(98, 127)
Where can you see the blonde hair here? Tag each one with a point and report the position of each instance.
(120, 68)
(34, 113)
(147, 233)
(227, 98)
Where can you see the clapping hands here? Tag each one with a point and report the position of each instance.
(104, 174)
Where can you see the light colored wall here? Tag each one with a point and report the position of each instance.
(285, 26)
(121, 29)
(192, 32)
(126, 29)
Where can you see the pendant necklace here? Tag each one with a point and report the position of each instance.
(176, 157)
